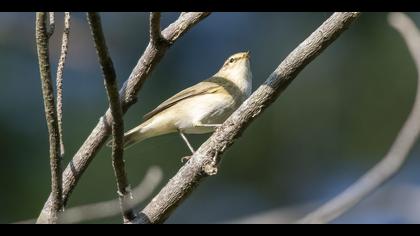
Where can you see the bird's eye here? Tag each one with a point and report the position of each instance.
(231, 60)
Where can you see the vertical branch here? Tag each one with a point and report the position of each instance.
(60, 68)
(116, 111)
(51, 24)
(50, 114)
(399, 150)
(155, 34)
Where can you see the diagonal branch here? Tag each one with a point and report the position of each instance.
(60, 68)
(114, 103)
(128, 96)
(205, 160)
(50, 115)
(399, 150)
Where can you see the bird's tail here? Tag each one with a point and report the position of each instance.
(131, 137)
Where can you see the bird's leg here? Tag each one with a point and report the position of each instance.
(186, 141)
(186, 158)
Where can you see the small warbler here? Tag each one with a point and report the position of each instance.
(200, 108)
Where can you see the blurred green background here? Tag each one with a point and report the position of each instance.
(333, 123)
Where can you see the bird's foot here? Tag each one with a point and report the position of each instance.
(185, 159)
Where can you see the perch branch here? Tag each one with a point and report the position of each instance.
(50, 115)
(399, 150)
(116, 111)
(128, 96)
(205, 160)
(60, 69)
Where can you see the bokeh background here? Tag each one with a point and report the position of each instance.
(334, 122)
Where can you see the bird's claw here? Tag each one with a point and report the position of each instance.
(185, 159)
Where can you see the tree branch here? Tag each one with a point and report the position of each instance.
(60, 68)
(150, 58)
(50, 115)
(155, 34)
(205, 160)
(114, 103)
(51, 24)
(399, 150)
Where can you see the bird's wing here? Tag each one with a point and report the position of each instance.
(205, 87)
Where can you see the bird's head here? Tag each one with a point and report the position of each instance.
(236, 65)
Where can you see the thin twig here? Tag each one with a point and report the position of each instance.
(111, 86)
(399, 150)
(155, 34)
(60, 68)
(50, 115)
(93, 143)
(205, 160)
(51, 24)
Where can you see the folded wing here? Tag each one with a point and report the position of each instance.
(205, 87)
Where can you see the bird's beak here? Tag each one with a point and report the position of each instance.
(248, 55)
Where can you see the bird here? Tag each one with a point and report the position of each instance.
(200, 108)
